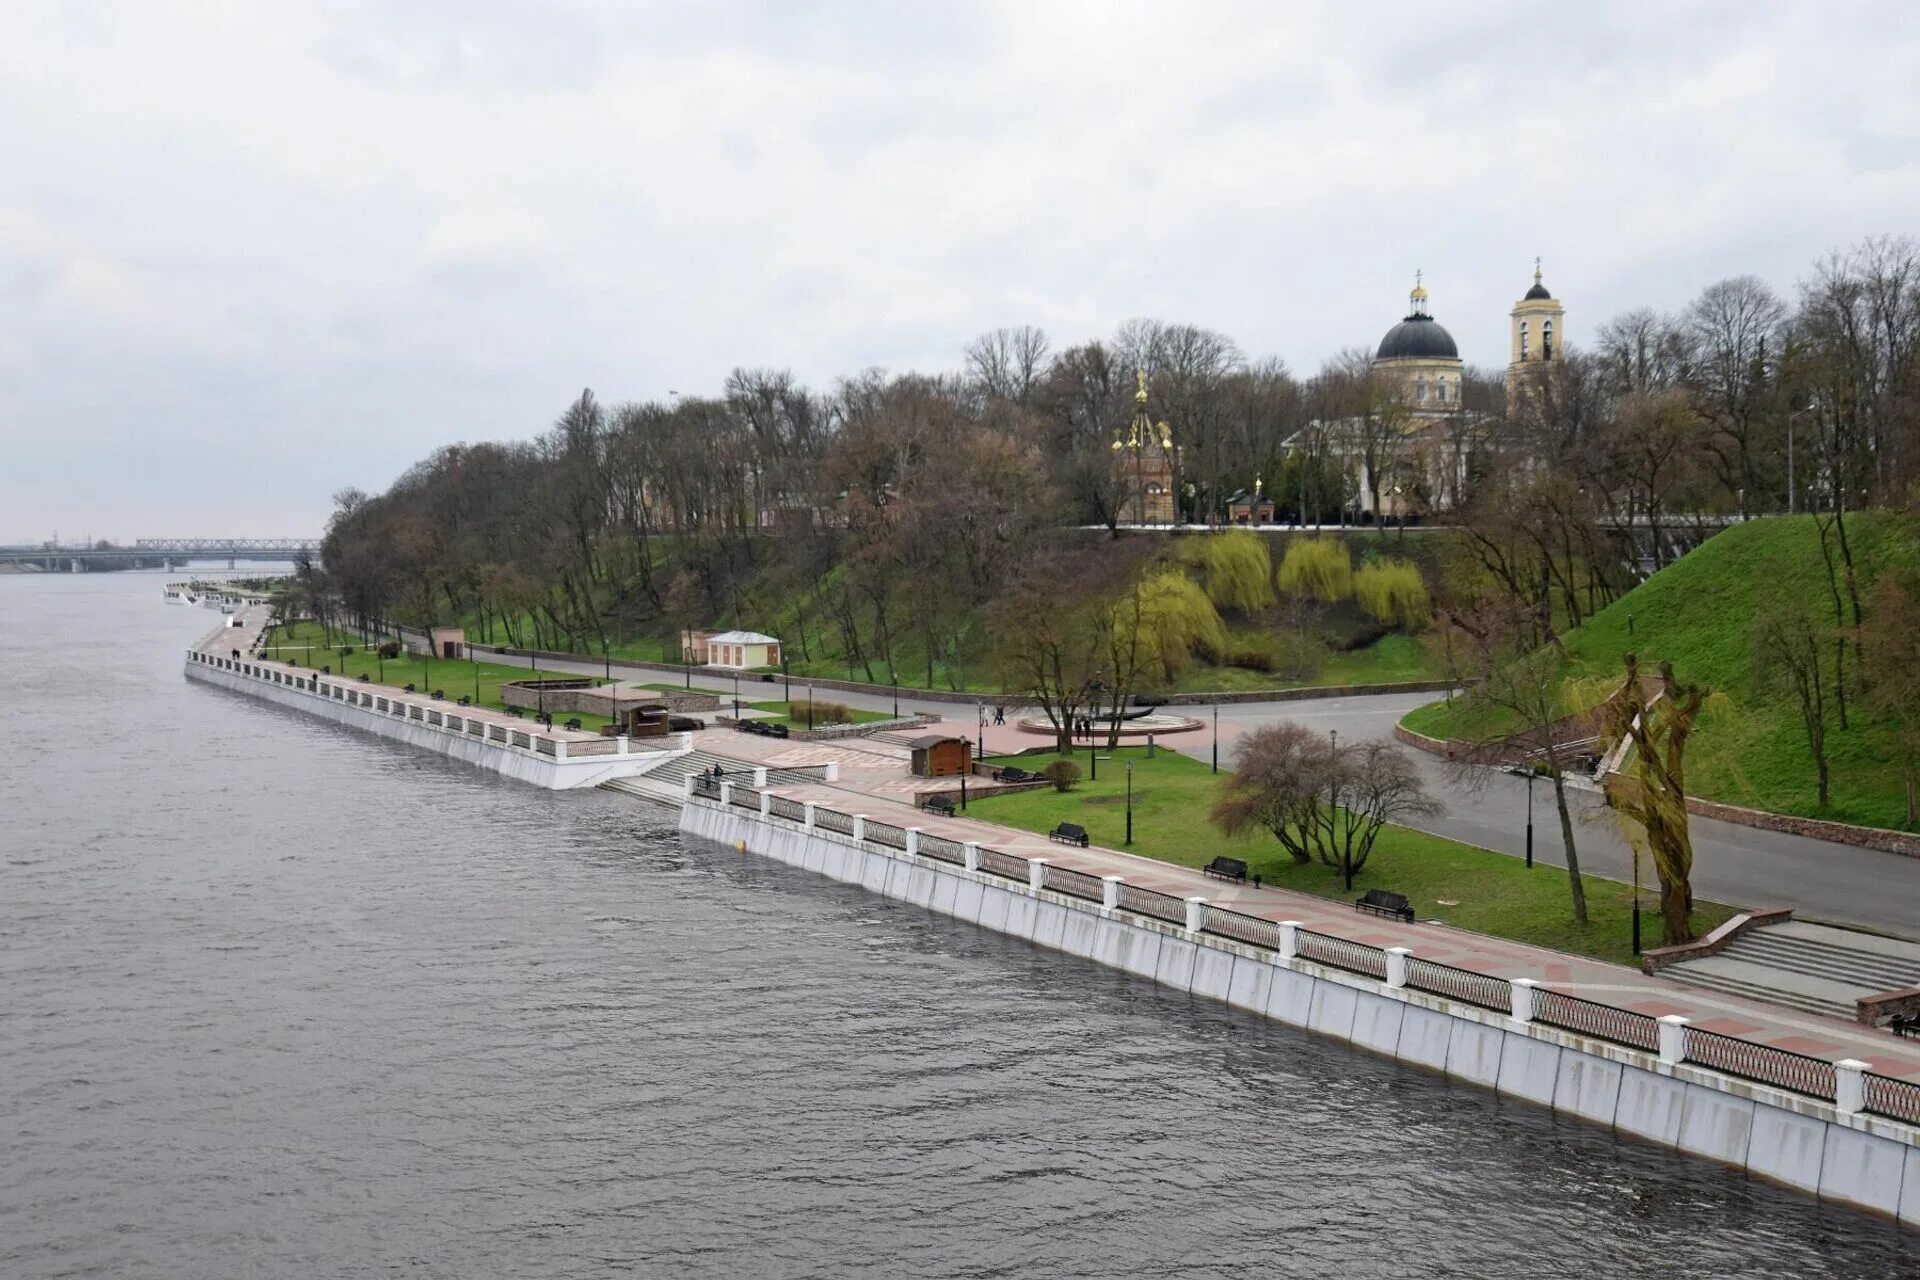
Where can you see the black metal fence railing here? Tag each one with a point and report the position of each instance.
(1075, 883)
(1004, 864)
(1898, 1099)
(1460, 984)
(886, 833)
(1151, 902)
(942, 848)
(1746, 1059)
(1354, 957)
(1242, 928)
(1602, 1021)
(1762, 1062)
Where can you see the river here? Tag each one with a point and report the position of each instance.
(286, 1000)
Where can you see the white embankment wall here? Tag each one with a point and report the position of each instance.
(522, 763)
(1825, 1149)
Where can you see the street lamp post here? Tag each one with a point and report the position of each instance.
(1530, 777)
(736, 693)
(476, 675)
(1129, 802)
(809, 708)
(1636, 899)
(1216, 739)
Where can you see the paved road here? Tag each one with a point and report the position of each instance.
(1822, 880)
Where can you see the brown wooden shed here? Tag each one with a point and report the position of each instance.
(938, 756)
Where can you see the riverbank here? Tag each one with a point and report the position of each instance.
(1818, 1127)
(1731, 1082)
(556, 759)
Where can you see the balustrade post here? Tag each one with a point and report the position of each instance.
(1196, 914)
(726, 793)
(1397, 966)
(620, 744)
(1673, 1039)
(1523, 999)
(686, 786)
(1289, 942)
(1850, 1086)
(1036, 873)
(766, 805)
(859, 827)
(1110, 892)
(970, 854)
(559, 748)
(807, 807)
(833, 772)
(913, 840)
(759, 775)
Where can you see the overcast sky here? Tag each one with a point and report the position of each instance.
(253, 253)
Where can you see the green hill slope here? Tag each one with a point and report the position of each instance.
(1750, 748)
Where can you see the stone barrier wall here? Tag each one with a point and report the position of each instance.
(1833, 1150)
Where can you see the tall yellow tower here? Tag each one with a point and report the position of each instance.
(1539, 333)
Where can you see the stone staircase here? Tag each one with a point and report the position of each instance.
(675, 771)
(1811, 967)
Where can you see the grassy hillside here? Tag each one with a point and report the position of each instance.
(1351, 648)
(1698, 613)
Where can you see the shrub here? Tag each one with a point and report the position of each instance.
(391, 649)
(1318, 567)
(1239, 570)
(823, 713)
(1063, 774)
(1393, 593)
(1169, 617)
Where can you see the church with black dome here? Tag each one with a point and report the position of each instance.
(1420, 437)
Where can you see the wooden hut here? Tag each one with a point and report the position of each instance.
(939, 756)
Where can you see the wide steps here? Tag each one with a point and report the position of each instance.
(1729, 984)
(1865, 971)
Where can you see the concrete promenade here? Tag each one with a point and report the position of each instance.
(1822, 880)
(871, 781)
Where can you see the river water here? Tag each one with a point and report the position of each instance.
(284, 1000)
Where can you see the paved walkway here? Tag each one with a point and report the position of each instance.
(870, 783)
(222, 642)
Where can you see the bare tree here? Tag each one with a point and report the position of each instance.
(1787, 648)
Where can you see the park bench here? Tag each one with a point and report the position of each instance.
(1385, 902)
(1904, 1025)
(438, 695)
(515, 712)
(1069, 833)
(1011, 774)
(574, 723)
(941, 804)
(1227, 869)
(409, 689)
(465, 701)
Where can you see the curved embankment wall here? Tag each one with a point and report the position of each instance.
(520, 764)
(1812, 1146)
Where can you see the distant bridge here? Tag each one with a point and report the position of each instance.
(158, 552)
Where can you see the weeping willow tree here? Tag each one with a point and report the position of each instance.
(1393, 593)
(1238, 570)
(1651, 792)
(1320, 568)
(1152, 632)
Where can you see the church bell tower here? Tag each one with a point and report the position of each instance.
(1539, 332)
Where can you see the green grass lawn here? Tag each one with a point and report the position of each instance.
(1749, 747)
(1466, 886)
(306, 643)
